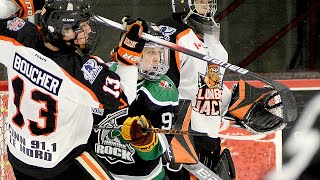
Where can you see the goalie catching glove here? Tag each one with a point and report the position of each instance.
(129, 49)
(259, 110)
(133, 132)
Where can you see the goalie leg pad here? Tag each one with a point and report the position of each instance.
(208, 150)
(168, 160)
(225, 168)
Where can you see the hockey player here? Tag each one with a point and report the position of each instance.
(53, 83)
(192, 26)
(157, 99)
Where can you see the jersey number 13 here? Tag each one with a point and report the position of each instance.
(48, 114)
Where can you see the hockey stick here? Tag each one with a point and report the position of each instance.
(288, 99)
(201, 171)
(190, 133)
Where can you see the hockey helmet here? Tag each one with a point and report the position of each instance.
(59, 15)
(155, 59)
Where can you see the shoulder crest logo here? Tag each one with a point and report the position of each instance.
(91, 70)
(167, 31)
(165, 84)
(15, 24)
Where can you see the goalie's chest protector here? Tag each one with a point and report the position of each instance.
(201, 82)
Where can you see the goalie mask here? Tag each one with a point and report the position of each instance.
(68, 25)
(154, 62)
(200, 13)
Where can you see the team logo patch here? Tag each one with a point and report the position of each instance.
(167, 31)
(91, 70)
(97, 111)
(165, 84)
(15, 24)
(212, 78)
(209, 94)
(110, 144)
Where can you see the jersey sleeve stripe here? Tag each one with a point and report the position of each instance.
(92, 166)
(83, 87)
(155, 101)
(176, 53)
(183, 33)
(177, 57)
(163, 141)
(98, 59)
(124, 104)
(16, 43)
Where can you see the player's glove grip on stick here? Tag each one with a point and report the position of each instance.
(257, 109)
(129, 49)
(133, 132)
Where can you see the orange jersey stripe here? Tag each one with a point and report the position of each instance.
(94, 167)
(124, 104)
(83, 87)
(177, 60)
(177, 57)
(4, 38)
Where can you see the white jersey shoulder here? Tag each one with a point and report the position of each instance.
(47, 107)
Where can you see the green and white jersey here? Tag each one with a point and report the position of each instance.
(158, 101)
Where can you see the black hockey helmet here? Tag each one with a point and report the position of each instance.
(153, 72)
(59, 15)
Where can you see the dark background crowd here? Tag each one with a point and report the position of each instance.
(263, 36)
(266, 36)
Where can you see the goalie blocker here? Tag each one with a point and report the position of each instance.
(258, 110)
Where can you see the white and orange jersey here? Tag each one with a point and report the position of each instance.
(196, 79)
(8, 8)
(51, 95)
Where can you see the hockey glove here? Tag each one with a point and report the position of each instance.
(129, 49)
(258, 110)
(28, 7)
(133, 132)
